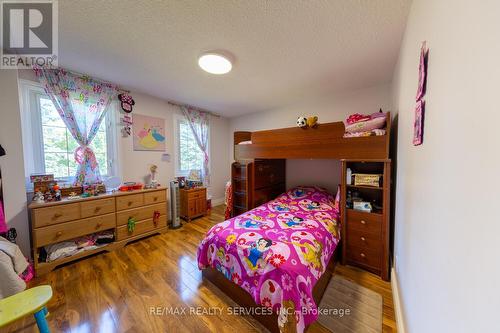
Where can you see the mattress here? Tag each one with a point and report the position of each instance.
(278, 251)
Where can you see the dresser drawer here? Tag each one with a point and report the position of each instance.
(365, 222)
(56, 214)
(139, 214)
(155, 197)
(140, 228)
(64, 231)
(97, 207)
(197, 194)
(129, 201)
(363, 239)
(364, 256)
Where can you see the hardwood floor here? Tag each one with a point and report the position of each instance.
(146, 286)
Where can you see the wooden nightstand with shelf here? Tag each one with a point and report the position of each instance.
(366, 235)
(193, 203)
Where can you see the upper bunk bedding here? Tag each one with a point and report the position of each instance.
(279, 250)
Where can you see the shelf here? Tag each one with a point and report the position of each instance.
(376, 212)
(240, 179)
(47, 266)
(367, 187)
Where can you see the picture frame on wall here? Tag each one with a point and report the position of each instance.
(418, 126)
(148, 133)
(422, 71)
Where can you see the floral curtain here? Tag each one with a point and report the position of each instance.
(199, 124)
(82, 104)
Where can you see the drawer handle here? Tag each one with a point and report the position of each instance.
(59, 234)
(57, 215)
(97, 209)
(155, 199)
(363, 239)
(363, 222)
(130, 203)
(363, 255)
(98, 225)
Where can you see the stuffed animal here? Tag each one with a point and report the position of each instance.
(302, 122)
(126, 102)
(312, 121)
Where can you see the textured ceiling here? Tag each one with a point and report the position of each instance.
(284, 51)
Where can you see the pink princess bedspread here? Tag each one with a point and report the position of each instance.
(278, 251)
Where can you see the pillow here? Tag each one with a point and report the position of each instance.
(366, 126)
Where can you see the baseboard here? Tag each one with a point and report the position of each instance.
(217, 202)
(397, 302)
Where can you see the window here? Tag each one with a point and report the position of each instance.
(51, 146)
(59, 145)
(188, 155)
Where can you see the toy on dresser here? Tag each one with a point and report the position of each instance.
(42, 183)
(57, 192)
(153, 183)
(94, 190)
(130, 186)
(38, 198)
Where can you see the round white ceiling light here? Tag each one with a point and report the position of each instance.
(215, 63)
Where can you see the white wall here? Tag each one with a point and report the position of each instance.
(335, 107)
(12, 164)
(447, 225)
(135, 164)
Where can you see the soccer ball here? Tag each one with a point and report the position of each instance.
(301, 122)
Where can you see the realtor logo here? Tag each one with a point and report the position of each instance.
(29, 33)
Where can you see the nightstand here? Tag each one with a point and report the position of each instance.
(193, 203)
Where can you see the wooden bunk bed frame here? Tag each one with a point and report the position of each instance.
(325, 141)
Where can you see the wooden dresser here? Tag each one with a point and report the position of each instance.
(58, 221)
(193, 202)
(365, 236)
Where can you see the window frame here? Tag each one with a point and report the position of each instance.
(34, 159)
(178, 118)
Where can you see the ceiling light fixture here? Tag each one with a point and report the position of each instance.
(215, 63)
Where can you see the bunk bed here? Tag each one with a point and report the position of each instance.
(258, 179)
(326, 141)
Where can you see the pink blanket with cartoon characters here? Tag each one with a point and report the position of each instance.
(278, 251)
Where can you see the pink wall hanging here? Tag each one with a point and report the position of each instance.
(418, 125)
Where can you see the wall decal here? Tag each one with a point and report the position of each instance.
(418, 125)
(126, 102)
(149, 133)
(126, 122)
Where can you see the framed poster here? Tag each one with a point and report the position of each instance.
(422, 71)
(418, 125)
(148, 133)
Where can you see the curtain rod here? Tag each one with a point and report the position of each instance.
(194, 108)
(128, 92)
(95, 78)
